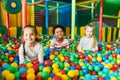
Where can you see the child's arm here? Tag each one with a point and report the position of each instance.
(52, 51)
(21, 55)
(79, 47)
(52, 47)
(40, 54)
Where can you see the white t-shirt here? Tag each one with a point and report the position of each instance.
(58, 46)
(29, 55)
(87, 44)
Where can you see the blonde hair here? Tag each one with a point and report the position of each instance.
(91, 25)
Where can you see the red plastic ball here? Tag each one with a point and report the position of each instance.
(114, 55)
(23, 76)
(35, 62)
(62, 71)
(47, 63)
(78, 67)
(56, 78)
(100, 78)
(38, 78)
(73, 64)
(87, 58)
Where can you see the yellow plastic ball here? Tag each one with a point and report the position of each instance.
(47, 69)
(66, 65)
(64, 77)
(10, 76)
(62, 59)
(31, 70)
(39, 74)
(71, 73)
(55, 53)
(58, 74)
(55, 66)
(30, 76)
(29, 65)
(76, 72)
(113, 78)
(55, 71)
(11, 59)
(99, 58)
(4, 73)
(51, 57)
(15, 65)
(49, 78)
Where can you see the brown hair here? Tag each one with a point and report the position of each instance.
(94, 39)
(30, 26)
(35, 30)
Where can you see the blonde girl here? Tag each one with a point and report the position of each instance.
(88, 42)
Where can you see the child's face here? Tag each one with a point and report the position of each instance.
(59, 33)
(29, 35)
(89, 32)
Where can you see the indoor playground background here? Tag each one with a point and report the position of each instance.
(102, 64)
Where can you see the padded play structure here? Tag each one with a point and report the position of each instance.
(103, 64)
(59, 12)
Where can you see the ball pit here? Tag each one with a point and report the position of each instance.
(99, 65)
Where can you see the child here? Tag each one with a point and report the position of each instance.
(30, 49)
(88, 42)
(58, 42)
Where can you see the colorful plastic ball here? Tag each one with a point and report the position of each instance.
(35, 62)
(52, 57)
(30, 70)
(71, 73)
(4, 73)
(15, 65)
(55, 66)
(23, 76)
(113, 78)
(41, 68)
(64, 77)
(47, 63)
(21, 65)
(31, 76)
(85, 70)
(47, 69)
(62, 71)
(39, 74)
(17, 75)
(22, 70)
(29, 65)
(55, 71)
(5, 66)
(2, 57)
(11, 69)
(97, 68)
(106, 70)
(10, 76)
(100, 78)
(44, 75)
(1, 63)
(6, 60)
(78, 67)
(100, 73)
(66, 69)
(72, 67)
(38, 78)
(87, 58)
(35, 67)
(56, 78)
